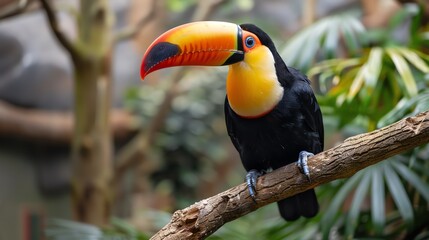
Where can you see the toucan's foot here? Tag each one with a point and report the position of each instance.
(302, 163)
(251, 178)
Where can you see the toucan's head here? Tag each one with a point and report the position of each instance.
(253, 86)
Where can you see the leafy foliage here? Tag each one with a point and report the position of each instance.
(370, 79)
(406, 107)
(374, 82)
(384, 82)
(366, 192)
(321, 40)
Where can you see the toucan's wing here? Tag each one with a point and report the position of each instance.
(230, 126)
(310, 109)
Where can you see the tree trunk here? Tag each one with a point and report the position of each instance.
(92, 144)
(91, 149)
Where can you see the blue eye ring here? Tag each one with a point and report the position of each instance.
(250, 42)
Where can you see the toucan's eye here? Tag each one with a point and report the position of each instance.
(250, 42)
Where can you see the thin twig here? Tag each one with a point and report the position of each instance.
(15, 8)
(59, 34)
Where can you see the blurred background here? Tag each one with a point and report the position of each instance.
(88, 151)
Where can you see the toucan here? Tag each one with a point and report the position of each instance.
(272, 115)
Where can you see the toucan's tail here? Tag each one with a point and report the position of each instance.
(303, 204)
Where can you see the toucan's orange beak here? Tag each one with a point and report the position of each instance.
(199, 43)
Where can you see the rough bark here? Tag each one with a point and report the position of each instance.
(92, 143)
(203, 218)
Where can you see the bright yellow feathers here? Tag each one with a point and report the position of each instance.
(252, 87)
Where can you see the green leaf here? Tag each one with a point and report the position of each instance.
(367, 75)
(357, 83)
(344, 83)
(414, 59)
(422, 104)
(323, 67)
(347, 63)
(411, 177)
(396, 113)
(400, 17)
(331, 41)
(307, 54)
(403, 70)
(399, 194)
(351, 29)
(359, 195)
(337, 201)
(294, 46)
(378, 199)
(322, 36)
(406, 107)
(374, 65)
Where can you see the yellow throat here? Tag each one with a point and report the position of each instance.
(252, 87)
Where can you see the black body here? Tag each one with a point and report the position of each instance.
(276, 139)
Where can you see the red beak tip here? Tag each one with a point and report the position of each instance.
(143, 75)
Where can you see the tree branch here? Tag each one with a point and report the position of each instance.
(203, 218)
(13, 8)
(53, 126)
(59, 34)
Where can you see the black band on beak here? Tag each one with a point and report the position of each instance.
(239, 54)
(159, 53)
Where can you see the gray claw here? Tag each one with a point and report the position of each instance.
(302, 163)
(251, 178)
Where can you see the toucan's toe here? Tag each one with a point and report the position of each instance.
(251, 178)
(302, 163)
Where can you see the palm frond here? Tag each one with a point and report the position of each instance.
(406, 107)
(378, 200)
(399, 195)
(359, 196)
(323, 37)
(332, 213)
(404, 71)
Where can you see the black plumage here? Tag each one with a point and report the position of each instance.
(276, 139)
